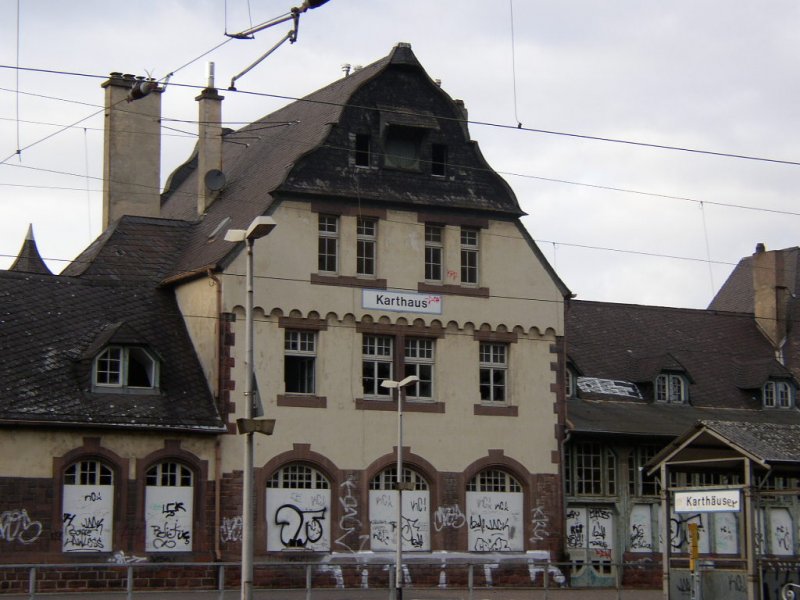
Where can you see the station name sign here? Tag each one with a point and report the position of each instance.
(708, 501)
(402, 301)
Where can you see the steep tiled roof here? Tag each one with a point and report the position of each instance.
(736, 294)
(50, 327)
(29, 260)
(302, 149)
(723, 355)
(771, 442)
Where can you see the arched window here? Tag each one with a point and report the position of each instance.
(169, 507)
(87, 507)
(298, 509)
(415, 526)
(494, 512)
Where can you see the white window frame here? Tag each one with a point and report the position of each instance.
(112, 368)
(328, 243)
(434, 251)
(301, 344)
(493, 362)
(671, 388)
(778, 394)
(366, 246)
(470, 255)
(419, 358)
(377, 352)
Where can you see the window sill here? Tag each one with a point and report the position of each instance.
(455, 290)
(348, 281)
(302, 400)
(486, 410)
(421, 406)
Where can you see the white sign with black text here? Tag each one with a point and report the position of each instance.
(707, 501)
(402, 301)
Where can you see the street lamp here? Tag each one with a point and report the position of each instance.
(260, 227)
(399, 394)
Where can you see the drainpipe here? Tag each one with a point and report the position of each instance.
(218, 442)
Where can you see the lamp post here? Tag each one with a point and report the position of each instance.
(259, 227)
(399, 394)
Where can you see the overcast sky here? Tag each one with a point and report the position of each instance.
(718, 76)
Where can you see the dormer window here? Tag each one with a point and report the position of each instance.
(119, 368)
(570, 383)
(402, 148)
(671, 388)
(778, 394)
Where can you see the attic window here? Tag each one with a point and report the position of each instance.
(671, 388)
(439, 160)
(362, 150)
(119, 368)
(777, 394)
(402, 148)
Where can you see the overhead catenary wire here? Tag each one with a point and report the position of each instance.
(574, 135)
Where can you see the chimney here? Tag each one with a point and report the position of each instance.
(770, 295)
(210, 179)
(132, 148)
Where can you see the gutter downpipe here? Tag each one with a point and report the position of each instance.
(218, 442)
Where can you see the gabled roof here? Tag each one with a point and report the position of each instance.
(715, 441)
(53, 326)
(302, 150)
(29, 260)
(723, 355)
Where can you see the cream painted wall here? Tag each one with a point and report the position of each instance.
(26, 445)
(198, 304)
(522, 296)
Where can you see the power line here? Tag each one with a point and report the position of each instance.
(467, 121)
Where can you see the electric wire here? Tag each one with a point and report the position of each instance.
(461, 120)
(513, 62)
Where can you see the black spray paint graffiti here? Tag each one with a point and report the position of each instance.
(576, 537)
(679, 530)
(16, 526)
(85, 534)
(639, 539)
(349, 523)
(448, 516)
(599, 534)
(170, 535)
(170, 509)
(299, 527)
(230, 530)
(410, 532)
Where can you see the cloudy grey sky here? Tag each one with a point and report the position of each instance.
(619, 222)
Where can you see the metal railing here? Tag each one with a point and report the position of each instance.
(370, 578)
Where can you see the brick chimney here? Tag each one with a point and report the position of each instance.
(132, 148)
(209, 145)
(770, 295)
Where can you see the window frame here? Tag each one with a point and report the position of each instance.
(593, 458)
(377, 362)
(422, 364)
(293, 340)
(402, 148)
(361, 150)
(493, 367)
(777, 394)
(328, 228)
(366, 246)
(434, 252)
(439, 160)
(408, 354)
(664, 390)
(639, 483)
(494, 480)
(469, 239)
(123, 371)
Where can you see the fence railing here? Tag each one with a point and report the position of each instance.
(310, 579)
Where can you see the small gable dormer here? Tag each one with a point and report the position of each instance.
(769, 382)
(123, 362)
